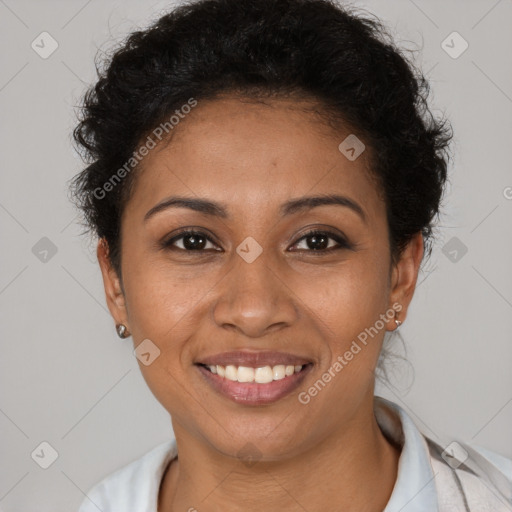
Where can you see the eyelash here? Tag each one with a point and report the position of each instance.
(342, 243)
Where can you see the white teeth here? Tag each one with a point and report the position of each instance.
(263, 375)
(279, 372)
(245, 374)
(289, 370)
(231, 372)
(260, 375)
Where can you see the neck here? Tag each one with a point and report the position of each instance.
(334, 474)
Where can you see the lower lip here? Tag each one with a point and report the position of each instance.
(252, 393)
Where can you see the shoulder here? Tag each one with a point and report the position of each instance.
(444, 476)
(134, 487)
(469, 477)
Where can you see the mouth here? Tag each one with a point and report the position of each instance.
(253, 382)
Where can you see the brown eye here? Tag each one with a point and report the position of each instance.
(321, 241)
(190, 240)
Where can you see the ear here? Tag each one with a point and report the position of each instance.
(112, 284)
(405, 275)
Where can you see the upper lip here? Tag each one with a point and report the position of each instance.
(253, 359)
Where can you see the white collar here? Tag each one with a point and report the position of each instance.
(415, 489)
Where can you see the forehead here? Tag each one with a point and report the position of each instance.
(252, 154)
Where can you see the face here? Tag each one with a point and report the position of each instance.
(252, 286)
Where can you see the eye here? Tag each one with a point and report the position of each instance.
(191, 241)
(319, 242)
(315, 241)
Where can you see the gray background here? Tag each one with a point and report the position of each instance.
(65, 376)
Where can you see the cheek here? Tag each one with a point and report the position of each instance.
(162, 308)
(164, 305)
(161, 298)
(347, 304)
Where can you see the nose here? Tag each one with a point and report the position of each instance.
(255, 300)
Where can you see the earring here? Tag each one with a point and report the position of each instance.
(122, 331)
(398, 323)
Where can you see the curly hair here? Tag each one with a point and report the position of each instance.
(316, 49)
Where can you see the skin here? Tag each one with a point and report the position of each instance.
(252, 157)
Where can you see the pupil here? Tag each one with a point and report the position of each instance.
(197, 242)
(315, 243)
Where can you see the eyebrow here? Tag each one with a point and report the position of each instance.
(292, 206)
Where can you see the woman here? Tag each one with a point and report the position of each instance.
(263, 179)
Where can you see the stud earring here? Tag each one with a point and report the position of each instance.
(398, 323)
(122, 331)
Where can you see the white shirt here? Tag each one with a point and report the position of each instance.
(425, 482)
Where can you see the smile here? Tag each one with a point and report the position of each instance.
(261, 375)
(254, 386)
